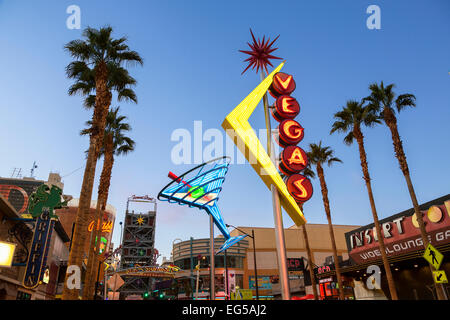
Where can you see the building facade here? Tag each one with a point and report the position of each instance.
(228, 265)
(404, 248)
(14, 199)
(240, 263)
(267, 262)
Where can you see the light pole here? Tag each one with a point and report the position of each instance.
(121, 231)
(254, 256)
(173, 243)
(212, 291)
(121, 234)
(173, 258)
(226, 275)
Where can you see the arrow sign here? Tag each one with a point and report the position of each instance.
(440, 276)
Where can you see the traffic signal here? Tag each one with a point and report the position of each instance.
(145, 295)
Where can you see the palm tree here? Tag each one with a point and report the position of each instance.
(115, 144)
(97, 71)
(317, 156)
(349, 121)
(382, 100)
(307, 172)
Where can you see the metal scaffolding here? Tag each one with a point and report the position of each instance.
(138, 241)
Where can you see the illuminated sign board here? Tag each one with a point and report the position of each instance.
(264, 282)
(103, 244)
(295, 264)
(285, 107)
(290, 133)
(242, 134)
(46, 276)
(38, 251)
(299, 187)
(150, 271)
(293, 159)
(7, 250)
(106, 226)
(401, 233)
(283, 84)
(323, 269)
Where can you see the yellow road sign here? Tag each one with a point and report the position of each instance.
(242, 134)
(433, 256)
(440, 276)
(242, 294)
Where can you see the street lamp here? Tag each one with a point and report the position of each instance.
(254, 255)
(121, 231)
(173, 242)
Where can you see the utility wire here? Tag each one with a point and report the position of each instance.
(73, 172)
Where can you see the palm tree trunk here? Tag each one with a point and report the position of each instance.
(391, 122)
(102, 102)
(88, 285)
(81, 222)
(326, 204)
(310, 261)
(362, 155)
(105, 179)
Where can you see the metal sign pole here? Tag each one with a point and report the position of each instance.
(279, 230)
(211, 259)
(196, 285)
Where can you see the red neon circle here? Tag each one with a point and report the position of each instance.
(299, 187)
(293, 159)
(283, 84)
(285, 107)
(290, 133)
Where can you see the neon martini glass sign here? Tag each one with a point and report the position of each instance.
(200, 188)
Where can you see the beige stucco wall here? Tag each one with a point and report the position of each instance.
(266, 254)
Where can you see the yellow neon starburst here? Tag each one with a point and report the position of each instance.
(140, 221)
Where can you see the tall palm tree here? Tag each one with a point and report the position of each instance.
(307, 172)
(115, 143)
(317, 156)
(97, 71)
(383, 100)
(349, 120)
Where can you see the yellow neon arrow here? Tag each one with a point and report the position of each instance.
(238, 128)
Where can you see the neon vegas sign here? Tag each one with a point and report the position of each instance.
(236, 122)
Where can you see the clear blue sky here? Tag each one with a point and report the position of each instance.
(192, 71)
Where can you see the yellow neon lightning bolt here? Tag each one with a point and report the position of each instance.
(238, 128)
